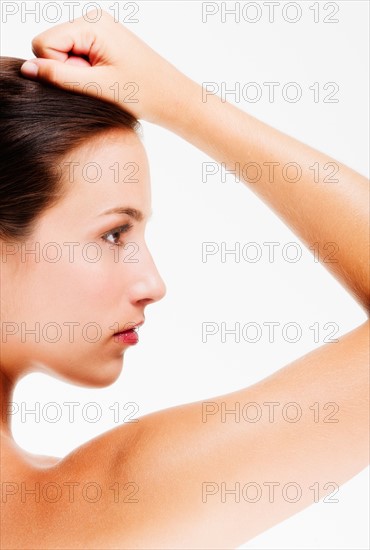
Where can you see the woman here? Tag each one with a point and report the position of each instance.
(156, 479)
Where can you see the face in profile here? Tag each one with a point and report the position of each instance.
(85, 273)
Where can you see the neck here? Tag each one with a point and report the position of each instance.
(6, 392)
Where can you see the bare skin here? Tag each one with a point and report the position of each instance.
(169, 455)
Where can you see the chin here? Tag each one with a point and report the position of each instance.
(89, 373)
(101, 375)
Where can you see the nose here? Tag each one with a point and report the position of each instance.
(148, 286)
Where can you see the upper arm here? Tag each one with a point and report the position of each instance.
(182, 478)
(214, 479)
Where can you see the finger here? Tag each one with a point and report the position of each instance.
(53, 45)
(63, 75)
(77, 61)
(58, 42)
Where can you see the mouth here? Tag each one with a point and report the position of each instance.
(128, 335)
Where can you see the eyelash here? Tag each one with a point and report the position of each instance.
(121, 229)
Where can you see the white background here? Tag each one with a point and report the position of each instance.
(171, 365)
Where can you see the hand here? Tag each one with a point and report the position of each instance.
(119, 67)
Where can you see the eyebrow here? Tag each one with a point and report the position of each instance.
(132, 212)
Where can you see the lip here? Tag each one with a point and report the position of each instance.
(129, 335)
(131, 326)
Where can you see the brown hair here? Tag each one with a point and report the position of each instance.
(40, 124)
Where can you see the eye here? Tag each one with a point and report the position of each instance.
(116, 233)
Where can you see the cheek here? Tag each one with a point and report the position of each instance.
(85, 287)
(62, 315)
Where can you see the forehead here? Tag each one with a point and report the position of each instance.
(109, 170)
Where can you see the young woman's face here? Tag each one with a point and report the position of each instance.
(85, 274)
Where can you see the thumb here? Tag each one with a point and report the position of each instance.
(60, 74)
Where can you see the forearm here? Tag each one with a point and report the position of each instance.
(325, 204)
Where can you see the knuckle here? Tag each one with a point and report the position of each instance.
(37, 42)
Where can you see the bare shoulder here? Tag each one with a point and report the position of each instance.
(159, 483)
(73, 502)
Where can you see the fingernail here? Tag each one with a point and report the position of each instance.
(29, 69)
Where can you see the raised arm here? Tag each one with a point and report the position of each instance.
(196, 475)
(323, 201)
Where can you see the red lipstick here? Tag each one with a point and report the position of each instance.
(130, 335)
(127, 337)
